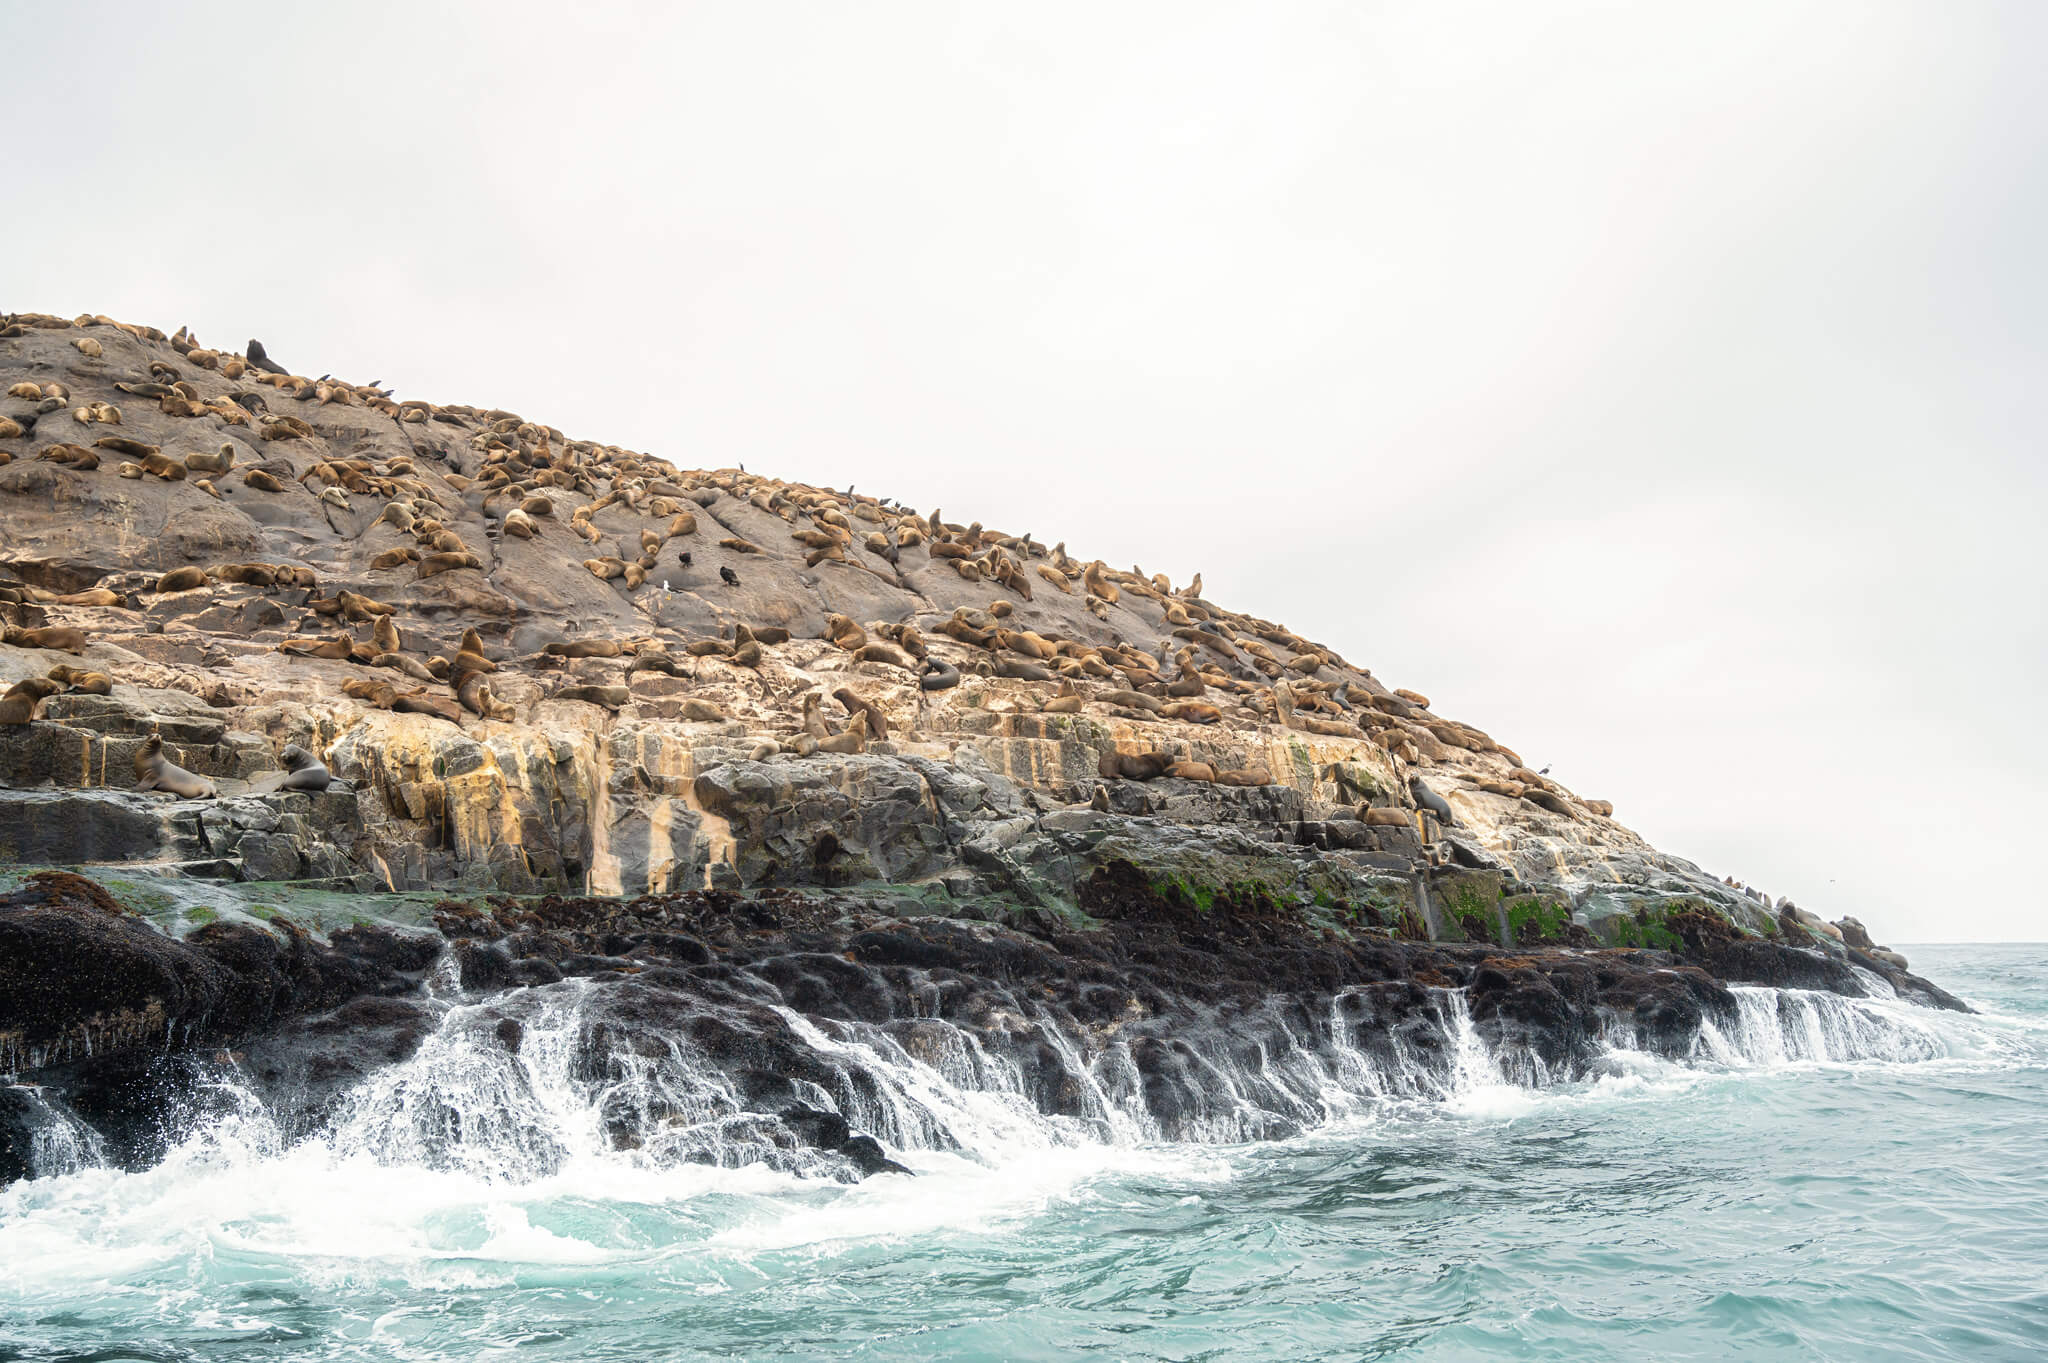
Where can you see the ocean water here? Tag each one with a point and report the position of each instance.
(1832, 1180)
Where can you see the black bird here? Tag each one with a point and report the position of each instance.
(731, 578)
(1544, 772)
(262, 361)
(684, 558)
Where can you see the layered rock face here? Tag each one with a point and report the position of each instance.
(538, 665)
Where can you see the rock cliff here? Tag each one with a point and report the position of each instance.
(535, 665)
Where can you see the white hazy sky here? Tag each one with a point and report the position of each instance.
(1659, 387)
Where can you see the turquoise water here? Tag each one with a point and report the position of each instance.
(1888, 1204)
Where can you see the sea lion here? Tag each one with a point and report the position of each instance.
(98, 596)
(841, 630)
(306, 771)
(246, 574)
(1134, 700)
(384, 634)
(80, 680)
(261, 481)
(1192, 771)
(853, 740)
(312, 646)
(71, 457)
(877, 722)
(583, 648)
(1244, 776)
(938, 676)
(24, 698)
(1146, 766)
(473, 689)
(702, 711)
(399, 662)
(62, 638)
(164, 467)
(378, 694)
(1425, 798)
(435, 564)
(258, 359)
(394, 558)
(424, 703)
(221, 462)
(1067, 702)
(154, 771)
(610, 697)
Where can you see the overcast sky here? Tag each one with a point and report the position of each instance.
(1658, 387)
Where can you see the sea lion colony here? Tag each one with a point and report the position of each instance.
(176, 510)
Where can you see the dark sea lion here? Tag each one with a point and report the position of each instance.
(154, 771)
(1425, 798)
(307, 772)
(259, 359)
(610, 697)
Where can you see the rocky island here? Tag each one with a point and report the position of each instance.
(397, 761)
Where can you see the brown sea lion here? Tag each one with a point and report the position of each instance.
(842, 630)
(202, 462)
(75, 457)
(154, 771)
(853, 740)
(1244, 776)
(1067, 702)
(164, 467)
(433, 565)
(1192, 771)
(62, 638)
(610, 697)
(399, 662)
(82, 681)
(312, 646)
(877, 722)
(583, 648)
(379, 694)
(473, 689)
